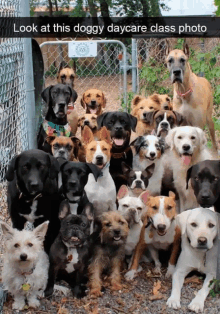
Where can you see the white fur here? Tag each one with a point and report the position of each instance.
(31, 217)
(192, 258)
(75, 259)
(159, 125)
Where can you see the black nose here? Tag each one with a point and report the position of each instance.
(166, 108)
(99, 158)
(34, 185)
(86, 122)
(186, 147)
(161, 227)
(138, 183)
(144, 114)
(164, 124)
(23, 257)
(117, 231)
(202, 241)
(93, 102)
(152, 154)
(205, 197)
(62, 104)
(61, 152)
(118, 128)
(176, 72)
(72, 183)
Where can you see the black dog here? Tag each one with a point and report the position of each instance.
(55, 124)
(120, 125)
(70, 252)
(205, 180)
(33, 193)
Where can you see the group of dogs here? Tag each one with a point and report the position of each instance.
(134, 184)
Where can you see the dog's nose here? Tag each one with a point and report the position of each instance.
(117, 231)
(202, 240)
(176, 72)
(118, 128)
(205, 197)
(62, 104)
(93, 102)
(86, 122)
(34, 185)
(23, 257)
(186, 147)
(166, 108)
(164, 124)
(152, 154)
(161, 227)
(72, 183)
(99, 158)
(144, 114)
(138, 182)
(61, 152)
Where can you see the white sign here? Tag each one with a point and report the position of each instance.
(82, 49)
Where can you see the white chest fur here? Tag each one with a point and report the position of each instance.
(133, 238)
(73, 208)
(73, 258)
(31, 217)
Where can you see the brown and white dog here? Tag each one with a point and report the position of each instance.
(89, 119)
(159, 232)
(94, 101)
(66, 75)
(192, 94)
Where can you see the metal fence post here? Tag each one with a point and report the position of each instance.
(29, 81)
(134, 65)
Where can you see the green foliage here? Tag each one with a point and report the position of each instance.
(216, 287)
(52, 71)
(130, 96)
(217, 4)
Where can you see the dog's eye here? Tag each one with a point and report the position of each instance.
(16, 245)
(139, 208)
(193, 224)
(71, 76)
(67, 93)
(125, 205)
(121, 222)
(41, 167)
(141, 107)
(92, 149)
(196, 179)
(182, 60)
(211, 225)
(30, 244)
(104, 149)
(166, 107)
(170, 60)
(167, 99)
(111, 121)
(56, 146)
(154, 207)
(169, 207)
(179, 137)
(98, 96)
(68, 147)
(193, 137)
(108, 224)
(151, 107)
(83, 224)
(63, 76)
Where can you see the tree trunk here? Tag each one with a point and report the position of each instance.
(92, 8)
(155, 8)
(145, 8)
(104, 8)
(50, 8)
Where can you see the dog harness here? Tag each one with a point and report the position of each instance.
(53, 129)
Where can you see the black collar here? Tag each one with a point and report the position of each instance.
(27, 198)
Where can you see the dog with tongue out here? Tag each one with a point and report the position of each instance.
(120, 125)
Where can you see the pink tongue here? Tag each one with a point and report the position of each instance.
(92, 111)
(186, 160)
(119, 142)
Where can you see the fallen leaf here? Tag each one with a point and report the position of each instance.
(159, 296)
(63, 300)
(63, 310)
(193, 279)
(156, 288)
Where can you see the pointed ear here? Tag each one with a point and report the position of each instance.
(105, 135)
(74, 66)
(155, 97)
(133, 122)
(46, 94)
(7, 230)
(171, 194)
(150, 170)
(123, 192)
(188, 176)
(50, 139)
(9, 176)
(62, 66)
(64, 210)
(103, 100)
(88, 211)
(54, 167)
(186, 49)
(144, 196)
(82, 101)
(167, 48)
(101, 120)
(179, 117)
(136, 100)
(41, 230)
(87, 135)
(125, 168)
(94, 170)
(137, 143)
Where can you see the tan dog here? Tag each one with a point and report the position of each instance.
(165, 102)
(90, 120)
(65, 147)
(192, 94)
(66, 75)
(108, 252)
(93, 100)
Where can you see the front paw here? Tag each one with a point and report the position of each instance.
(34, 303)
(130, 275)
(173, 303)
(116, 286)
(196, 306)
(95, 293)
(157, 271)
(18, 305)
(170, 271)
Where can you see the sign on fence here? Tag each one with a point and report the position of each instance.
(82, 49)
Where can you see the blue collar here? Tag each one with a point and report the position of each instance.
(106, 166)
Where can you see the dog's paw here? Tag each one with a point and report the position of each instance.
(157, 271)
(196, 306)
(130, 275)
(173, 303)
(18, 305)
(116, 286)
(34, 303)
(170, 271)
(95, 293)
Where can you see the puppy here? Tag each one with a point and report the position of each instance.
(64, 147)
(132, 209)
(159, 232)
(137, 181)
(187, 147)
(32, 191)
(148, 150)
(91, 121)
(70, 252)
(205, 181)
(94, 101)
(108, 252)
(99, 153)
(199, 252)
(25, 268)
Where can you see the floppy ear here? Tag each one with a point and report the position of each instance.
(62, 162)
(123, 192)
(125, 168)
(149, 117)
(144, 196)
(137, 143)
(50, 139)
(64, 210)
(79, 120)
(186, 49)
(7, 230)
(179, 117)
(46, 94)
(149, 170)
(188, 176)
(181, 220)
(105, 135)
(74, 94)
(170, 137)
(9, 176)
(87, 135)
(76, 143)
(54, 167)
(133, 121)
(94, 170)
(103, 101)
(136, 100)
(83, 104)
(101, 119)
(202, 137)
(41, 230)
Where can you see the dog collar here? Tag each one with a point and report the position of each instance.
(106, 166)
(120, 155)
(22, 195)
(190, 90)
(53, 129)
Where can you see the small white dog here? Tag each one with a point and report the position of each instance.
(199, 252)
(25, 268)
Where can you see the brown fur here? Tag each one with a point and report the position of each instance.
(92, 119)
(94, 94)
(108, 254)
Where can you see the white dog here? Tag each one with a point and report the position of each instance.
(187, 147)
(25, 269)
(199, 251)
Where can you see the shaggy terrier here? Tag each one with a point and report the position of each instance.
(25, 268)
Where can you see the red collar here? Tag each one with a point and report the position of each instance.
(186, 93)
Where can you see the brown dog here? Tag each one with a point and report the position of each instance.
(93, 100)
(109, 252)
(65, 147)
(66, 75)
(192, 94)
(90, 120)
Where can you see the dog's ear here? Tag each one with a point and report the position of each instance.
(125, 168)
(181, 220)
(64, 210)
(170, 138)
(79, 120)
(104, 100)
(172, 194)
(73, 94)
(82, 101)
(7, 230)
(46, 94)
(123, 192)
(149, 117)
(149, 171)
(105, 135)
(54, 167)
(186, 49)
(41, 230)
(62, 162)
(155, 97)
(62, 66)
(136, 100)
(144, 196)
(9, 176)
(188, 176)
(77, 144)
(137, 143)
(133, 121)
(167, 47)
(50, 139)
(179, 118)
(87, 135)
(94, 170)
(74, 66)
(101, 120)
(202, 137)
(88, 211)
